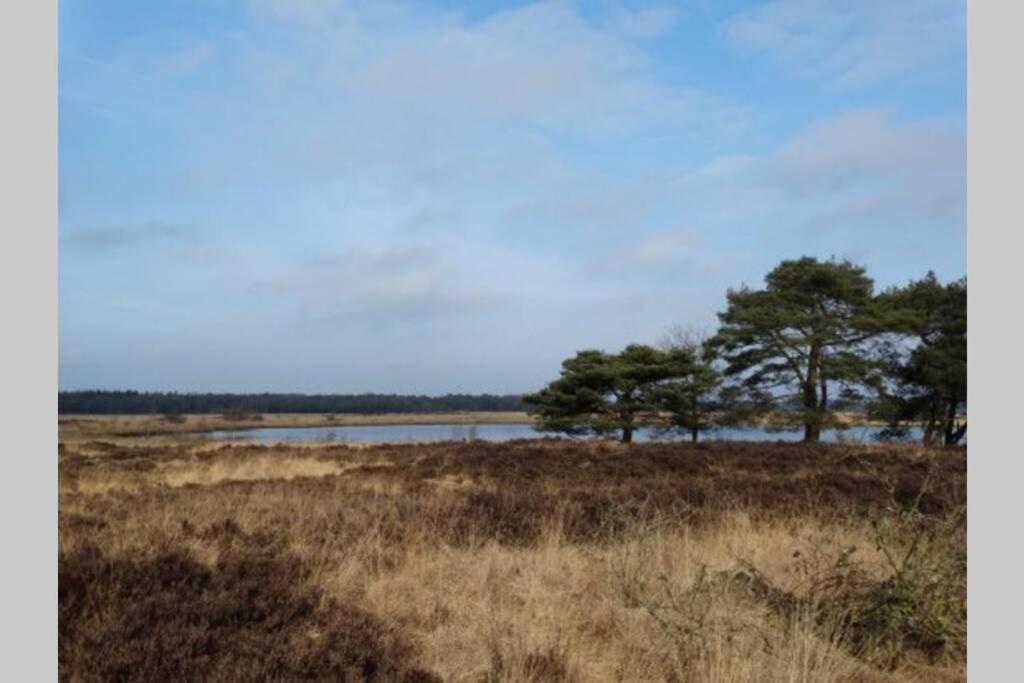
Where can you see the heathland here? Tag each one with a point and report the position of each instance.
(540, 560)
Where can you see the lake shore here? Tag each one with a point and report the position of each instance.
(79, 427)
(87, 427)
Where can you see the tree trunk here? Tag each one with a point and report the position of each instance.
(627, 434)
(823, 403)
(812, 432)
(812, 426)
(953, 432)
(958, 434)
(931, 427)
(696, 420)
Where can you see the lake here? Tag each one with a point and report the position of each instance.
(411, 433)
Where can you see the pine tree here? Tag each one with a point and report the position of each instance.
(600, 393)
(803, 337)
(699, 401)
(927, 363)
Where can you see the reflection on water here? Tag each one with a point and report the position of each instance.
(411, 433)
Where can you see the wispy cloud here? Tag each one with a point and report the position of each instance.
(307, 14)
(188, 59)
(542, 64)
(333, 183)
(646, 22)
(378, 286)
(866, 146)
(597, 206)
(862, 185)
(851, 43)
(660, 253)
(102, 238)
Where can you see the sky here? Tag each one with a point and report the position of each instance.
(432, 197)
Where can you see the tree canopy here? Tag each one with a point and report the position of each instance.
(698, 401)
(802, 336)
(926, 365)
(601, 393)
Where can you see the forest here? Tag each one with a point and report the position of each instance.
(141, 403)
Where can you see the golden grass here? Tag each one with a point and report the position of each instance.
(374, 534)
(467, 605)
(250, 469)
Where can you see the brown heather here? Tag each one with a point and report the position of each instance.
(536, 560)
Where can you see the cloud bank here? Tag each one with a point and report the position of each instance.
(334, 196)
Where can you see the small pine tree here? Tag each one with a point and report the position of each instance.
(600, 393)
(926, 364)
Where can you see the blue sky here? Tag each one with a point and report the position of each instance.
(432, 197)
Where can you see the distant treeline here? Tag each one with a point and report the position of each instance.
(138, 403)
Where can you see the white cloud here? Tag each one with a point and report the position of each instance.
(438, 105)
(541, 64)
(308, 14)
(850, 42)
(665, 247)
(659, 253)
(479, 117)
(601, 205)
(646, 22)
(188, 59)
(373, 286)
(495, 191)
(865, 145)
(862, 173)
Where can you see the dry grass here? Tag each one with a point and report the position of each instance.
(530, 561)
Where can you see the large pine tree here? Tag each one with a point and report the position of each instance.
(801, 338)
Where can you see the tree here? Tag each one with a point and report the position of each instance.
(927, 363)
(600, 393)
(801, 337)
(698, 401)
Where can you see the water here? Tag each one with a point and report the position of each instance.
(412, 433)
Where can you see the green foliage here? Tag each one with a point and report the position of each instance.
(600, 393)
(926, 364)
(698, 401)
(242, 414)
(801, 336)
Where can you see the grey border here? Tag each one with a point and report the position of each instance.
(28, 399)
(994, 152)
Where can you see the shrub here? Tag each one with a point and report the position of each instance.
(242, 414)
(919, 604)
(250, 617)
